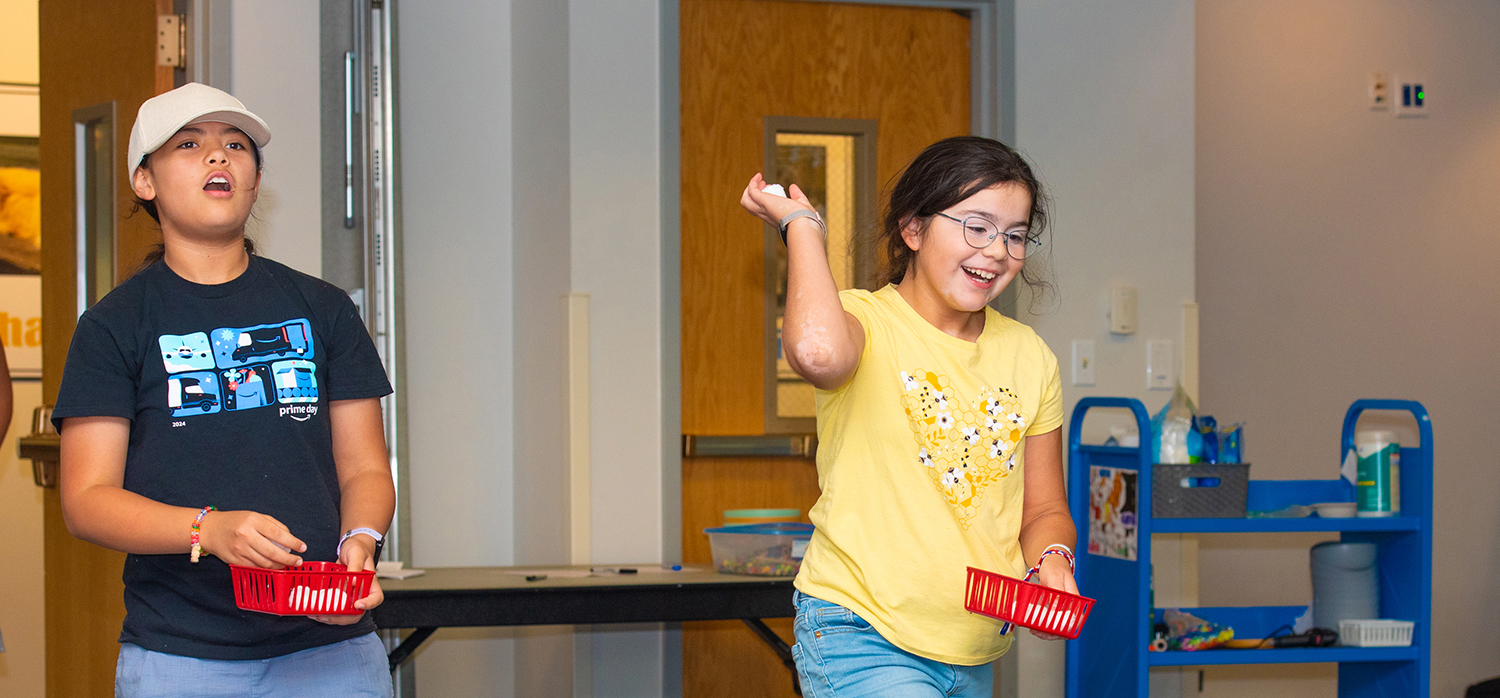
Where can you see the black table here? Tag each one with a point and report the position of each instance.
(451, 597)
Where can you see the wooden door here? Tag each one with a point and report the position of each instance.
(743, 60)
(92, 52)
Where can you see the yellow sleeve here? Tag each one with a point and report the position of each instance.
(861, 304)
(1049, 414)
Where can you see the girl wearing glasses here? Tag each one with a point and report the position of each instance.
(939, 420)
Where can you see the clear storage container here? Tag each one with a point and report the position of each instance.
(762, 550)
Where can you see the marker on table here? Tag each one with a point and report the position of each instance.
(612, 570)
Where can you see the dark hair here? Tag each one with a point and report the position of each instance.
(159, 250)
(941, 176)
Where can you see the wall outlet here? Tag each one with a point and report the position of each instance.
(1380, 91)
(1083, 362)
(1161, 371)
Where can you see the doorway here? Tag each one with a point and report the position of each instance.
(753, 70)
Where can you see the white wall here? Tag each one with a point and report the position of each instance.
(1344, 254)
(275, 69)
(540, 179)
(20, 109)
(1105, 114)
(615, 116)
(540, 281)
(457, 187)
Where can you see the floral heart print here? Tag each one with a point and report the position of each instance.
(964, 447)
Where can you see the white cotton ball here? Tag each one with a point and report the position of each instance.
(307, 600)
(775, 190)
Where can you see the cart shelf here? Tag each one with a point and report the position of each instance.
(1110, 658)
(1284, 656)
(1311, 523)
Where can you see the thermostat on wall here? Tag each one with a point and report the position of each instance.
(1122, 310)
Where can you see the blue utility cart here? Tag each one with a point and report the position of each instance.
(1110, 657)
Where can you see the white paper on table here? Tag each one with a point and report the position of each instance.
(394, 569)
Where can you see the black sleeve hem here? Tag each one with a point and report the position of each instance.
(361, 393)
(86, 411)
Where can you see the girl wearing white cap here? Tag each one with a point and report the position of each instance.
(217, 409)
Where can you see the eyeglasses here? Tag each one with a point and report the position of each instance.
(979, 233)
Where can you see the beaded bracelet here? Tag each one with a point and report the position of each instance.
(197, 523)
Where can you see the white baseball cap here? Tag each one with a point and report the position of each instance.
(163, 115)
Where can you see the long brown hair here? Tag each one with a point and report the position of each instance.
(941, 176)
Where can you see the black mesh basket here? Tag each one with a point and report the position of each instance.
(1199, 490)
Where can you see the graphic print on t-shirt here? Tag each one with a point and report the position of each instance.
(236, 347)
(194, 393)
(296, 381)
(247, 387)
(188, 352)
(240, 368)
(964, 447)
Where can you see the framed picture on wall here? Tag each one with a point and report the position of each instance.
(21, 255)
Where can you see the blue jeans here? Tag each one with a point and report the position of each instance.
(840, 656)
(354, 668)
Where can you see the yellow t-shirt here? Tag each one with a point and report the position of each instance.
(919, 462)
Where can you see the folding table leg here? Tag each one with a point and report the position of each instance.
(777, 645)
(408, 645)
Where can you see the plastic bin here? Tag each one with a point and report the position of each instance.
(761, 550)
(315, 588)
(1376, 633)
(1199, 490)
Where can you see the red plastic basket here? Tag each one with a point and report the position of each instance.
(1025, 604)
(315, 588)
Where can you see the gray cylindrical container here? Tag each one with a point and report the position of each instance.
(1344, 583)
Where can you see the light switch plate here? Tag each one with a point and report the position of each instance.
(1083, 362)
(1160, 368)
(1122, 311)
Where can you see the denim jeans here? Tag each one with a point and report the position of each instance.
(840, 656)
(354, 668)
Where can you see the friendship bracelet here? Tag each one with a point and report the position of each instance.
(197, 524)
(1061, 550)
(1054, 549)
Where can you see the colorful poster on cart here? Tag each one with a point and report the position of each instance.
(1113, 505)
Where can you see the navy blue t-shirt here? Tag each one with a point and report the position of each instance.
(226, 388)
